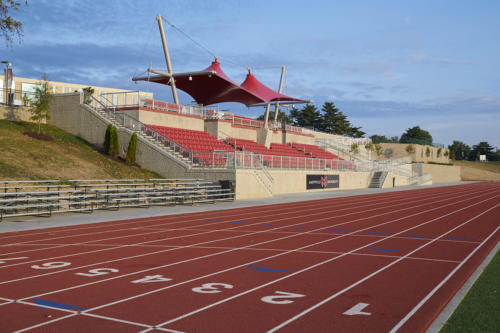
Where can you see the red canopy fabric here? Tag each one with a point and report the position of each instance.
(212, 85)
(263, 92)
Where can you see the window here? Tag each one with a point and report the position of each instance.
(63, 90)
(115, 99)
(54, 89)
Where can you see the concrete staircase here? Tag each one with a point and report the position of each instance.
(378, 179)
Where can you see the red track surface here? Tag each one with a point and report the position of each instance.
(384, 262)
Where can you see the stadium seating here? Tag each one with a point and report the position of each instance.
(314, 151)
(200, 143)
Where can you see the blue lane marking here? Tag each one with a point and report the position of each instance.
(384, 250)
(416, 235)
(336, 229)
(238, 222)
(377, 232)
(272, 225)
(56, 305)
(462, 238)
(303, 227)
(211, 220)
(263, 269)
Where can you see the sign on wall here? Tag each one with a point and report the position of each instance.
(314, 182)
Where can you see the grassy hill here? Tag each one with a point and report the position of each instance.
(65, 157)
(488, 171)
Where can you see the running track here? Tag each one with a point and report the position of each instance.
(379, 263)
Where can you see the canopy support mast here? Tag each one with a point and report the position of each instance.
(167, 58)
(268, 106)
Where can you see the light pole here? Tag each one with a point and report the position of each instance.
(6, 80)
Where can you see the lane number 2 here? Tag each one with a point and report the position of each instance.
(282, 297)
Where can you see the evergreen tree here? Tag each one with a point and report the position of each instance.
(416, 135)
(132, 150)
(308, 116)
(459, 150)
(107, 138)
(114, 145)
(329, 117)
(282, 117)
(482, 148)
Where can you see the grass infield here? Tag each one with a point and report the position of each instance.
(479, 311)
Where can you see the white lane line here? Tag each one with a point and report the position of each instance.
(219, 253)
(274, 256)
(44, 323)
(239, 236)
(433, 291)
(274, 207)
(381, 270)
(377, 201)
(311, 267)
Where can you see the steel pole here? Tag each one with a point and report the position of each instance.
(167, 58)
(277, 108)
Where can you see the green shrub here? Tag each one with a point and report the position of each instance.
(132, 150)
(446, 153)
(410, 149)
(107, 138)
(354, 148)
(113, 143)
(427, 152)
(439, 151)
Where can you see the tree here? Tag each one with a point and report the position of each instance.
(330, 118)
(383, 139)
(482, 148)
(89, 91)
(10, 27)
(41, 101)
(416, 135)
(107, 139)
(459, 150)
(132, 150)
(308, 116)
(282, 117)
(114, 145)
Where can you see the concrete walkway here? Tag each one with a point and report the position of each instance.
(59, 220)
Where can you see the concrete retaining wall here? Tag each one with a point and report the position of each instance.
(442, 173)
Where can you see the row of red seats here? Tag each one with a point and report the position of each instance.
(200, 143)
(314, 151)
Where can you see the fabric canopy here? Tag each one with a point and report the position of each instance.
(212, 85)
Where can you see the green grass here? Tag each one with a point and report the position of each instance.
(487, 166)
(67, 157)
(479, 311)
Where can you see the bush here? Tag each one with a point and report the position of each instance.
(439, 151)
(446, 153)
(132, 150)
(107, 138)
(354, 148)
(410, 149)
(378, 150)
(427, 152)
(114, 145)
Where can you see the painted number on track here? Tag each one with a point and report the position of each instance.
(281, 298)
(152, 278)
(4, 260)
(211, 288)
(51, 265)
(99, 271)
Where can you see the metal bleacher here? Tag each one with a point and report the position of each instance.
(47, 197)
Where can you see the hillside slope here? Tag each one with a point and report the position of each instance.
(489, 171)
(66, 157)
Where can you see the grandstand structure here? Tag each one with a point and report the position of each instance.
(249, 157)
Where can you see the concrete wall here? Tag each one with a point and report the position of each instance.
(16, 113)
(168, 119)
(395, 150)
(442, 173)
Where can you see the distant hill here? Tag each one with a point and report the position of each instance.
(65, 157)
(488, 171)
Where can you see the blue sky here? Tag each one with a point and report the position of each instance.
(388, 65)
